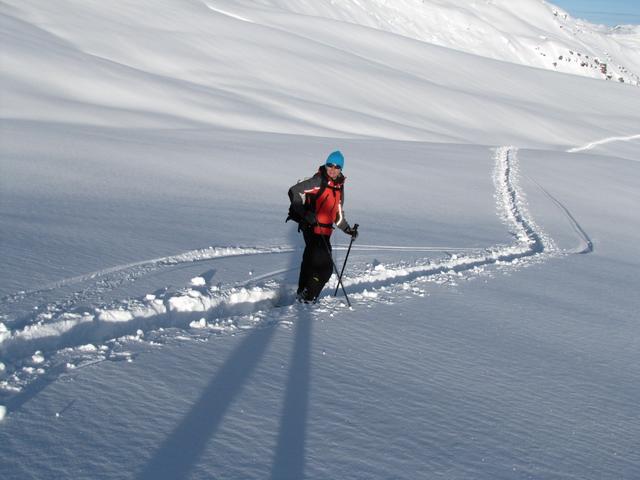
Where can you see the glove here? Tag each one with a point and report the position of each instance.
(351, 231)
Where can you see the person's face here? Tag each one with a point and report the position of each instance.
(333, 171)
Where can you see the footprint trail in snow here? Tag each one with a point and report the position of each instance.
(65, 334)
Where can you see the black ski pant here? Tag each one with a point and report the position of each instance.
(317, 265)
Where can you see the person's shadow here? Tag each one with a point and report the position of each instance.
(289, 459)
(176, 457)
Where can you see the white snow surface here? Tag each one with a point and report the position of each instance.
(529, 32)
(147, 322)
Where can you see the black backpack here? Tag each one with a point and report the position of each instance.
(294, 215)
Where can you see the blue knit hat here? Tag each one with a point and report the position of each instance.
(336, 158)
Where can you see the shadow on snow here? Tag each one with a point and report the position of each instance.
(179, 453)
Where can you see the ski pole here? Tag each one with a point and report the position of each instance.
(335, 269)
(355, 228)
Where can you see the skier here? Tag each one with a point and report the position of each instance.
(316, 204)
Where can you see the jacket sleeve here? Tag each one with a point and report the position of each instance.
(298, 194)
(341, 221)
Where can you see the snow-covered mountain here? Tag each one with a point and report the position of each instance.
(147, 322)
(529, 32)
(257, 67)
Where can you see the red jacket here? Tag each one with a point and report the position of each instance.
(318, 201)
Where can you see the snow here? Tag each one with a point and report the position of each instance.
(198, 282)
(534, 33)
(147, 322)
(37, 358)
(592, 145)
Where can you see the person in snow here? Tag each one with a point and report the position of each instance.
(316, 204)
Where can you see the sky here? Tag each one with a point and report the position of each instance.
(608, 12)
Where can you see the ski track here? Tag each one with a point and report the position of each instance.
(604, 141)
(61, 338)
(130, 271)
(228, 14)
(586, 244)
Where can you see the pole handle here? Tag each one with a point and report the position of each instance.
(355, 227)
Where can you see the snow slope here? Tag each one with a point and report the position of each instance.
(527, 32)
(147, 328)
(282, 72)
